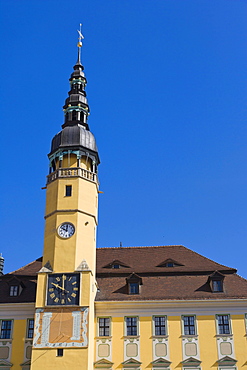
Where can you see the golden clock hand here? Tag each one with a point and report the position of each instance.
(63, 277)
(58, 286)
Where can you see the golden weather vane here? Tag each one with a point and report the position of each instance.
(80, 38)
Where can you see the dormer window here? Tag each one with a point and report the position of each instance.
(169, 263)
(116, 264)
(15, 287)
(134, 283)
(216, 282)
(14, 290)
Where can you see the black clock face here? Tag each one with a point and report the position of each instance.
(63, 289)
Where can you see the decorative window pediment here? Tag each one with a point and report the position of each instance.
(5, 364)
(160, 363)
(103, 364)
(227, 361)
(26, 365)
(131, 362)
(191, 361)
(169, 262)
(116, 264)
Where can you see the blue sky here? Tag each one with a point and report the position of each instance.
(168, 97)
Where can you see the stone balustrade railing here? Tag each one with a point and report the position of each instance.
(72, 172)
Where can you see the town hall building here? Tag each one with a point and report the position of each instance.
(122, 308)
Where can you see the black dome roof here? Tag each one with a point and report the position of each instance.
(74, 136)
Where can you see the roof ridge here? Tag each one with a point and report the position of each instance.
(150, 246)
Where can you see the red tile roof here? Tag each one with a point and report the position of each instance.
(189, 280)
(146, 259)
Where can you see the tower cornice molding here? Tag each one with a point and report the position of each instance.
(71, 211)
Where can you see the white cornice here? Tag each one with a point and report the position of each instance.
(171, 308)
(17, 310)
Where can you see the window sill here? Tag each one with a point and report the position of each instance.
(104, 337)
(159, 336)
(189, 336)
(131, 336)
(224, 335)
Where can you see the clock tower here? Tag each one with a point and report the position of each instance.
(64, 319)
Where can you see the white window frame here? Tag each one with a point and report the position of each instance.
(11, 330)
(98, 331)
(166, 326)
(137, 326)
(229, 322)
(28, 321)
(195, 325)
(14, 289)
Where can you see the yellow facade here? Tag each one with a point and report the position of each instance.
(206, 335)
(68, 336)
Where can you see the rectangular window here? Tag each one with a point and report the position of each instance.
(104, 326)
(68, 190)
(217, 285)
(60, 352)
(133, 288)
(13, 290)
(30, 328)
(223, 324)
(189, 325)
(131, 326)
(159, 325)
(6, 327)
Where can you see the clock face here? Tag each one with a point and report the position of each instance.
(66, 230)
(63, 289)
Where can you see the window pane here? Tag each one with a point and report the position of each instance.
(189, 325)
(160, 328)
(6, 329)
(30, 328)
(104, 327)
(223, 324)
(217, 286)
(13, 292)
(68, 191)
(131, 323)
(134, 288)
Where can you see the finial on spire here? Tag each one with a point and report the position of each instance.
(79, 44)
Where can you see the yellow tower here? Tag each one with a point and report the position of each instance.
(64, 318)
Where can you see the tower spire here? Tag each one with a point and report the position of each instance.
(79, 45)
